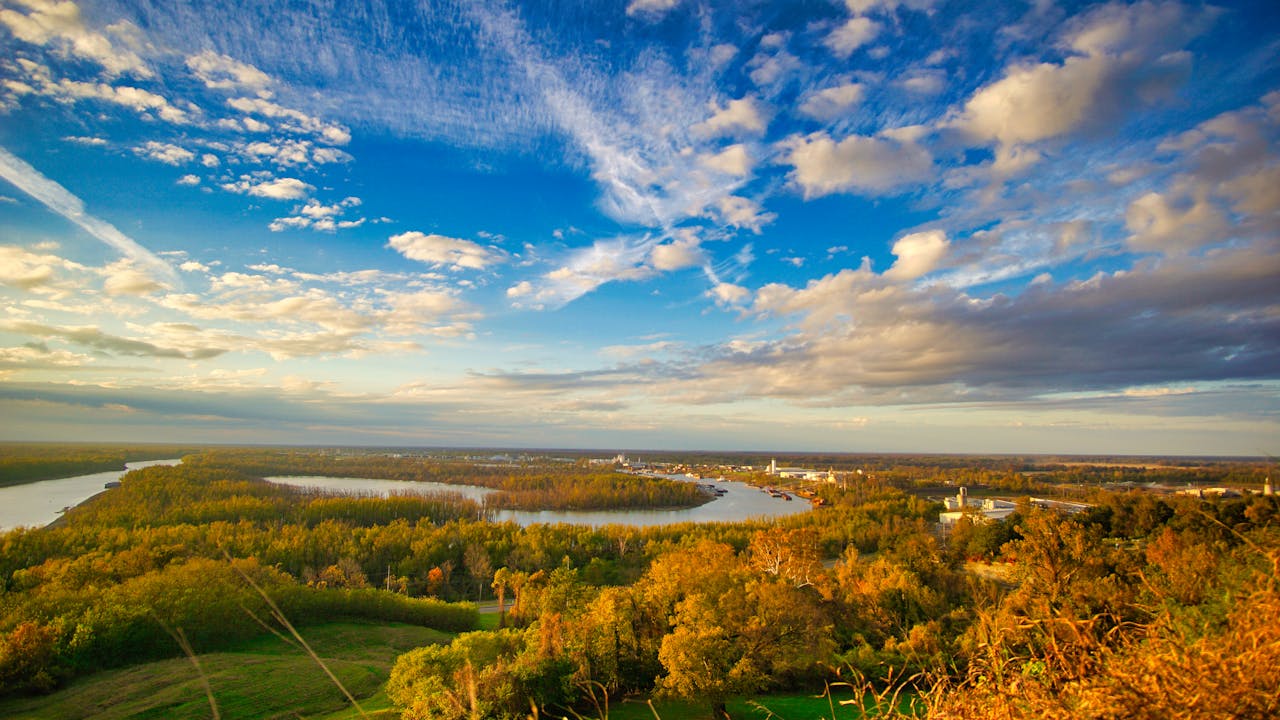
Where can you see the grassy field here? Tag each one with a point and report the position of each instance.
(266, 678)
(791, 706)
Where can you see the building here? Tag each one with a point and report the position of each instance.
(799, 473)
(984, 510)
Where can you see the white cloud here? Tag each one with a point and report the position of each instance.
(441, 251)
(166, 153)
(22, 268)
(425, 311)
(1040, 101)
(676, 256)
(650, 8)
(744, 114)
(283, 153)
(918, 254)
(853, 34)
(1146, 28)
(769, 69)
(728, 294)
(50, 22)
(141, 101)
(295, 120)
(863, 338)
(873, 165)
(224, 73)
(125, 278)
(743, 213)
(1176, 225)
(274, 189)
(833, 102)
(1123, 56)
(189, 180)
(925, 82)
(733, 160)
(586, 269)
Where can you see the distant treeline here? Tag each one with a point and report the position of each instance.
(545, 486)
(24, 463)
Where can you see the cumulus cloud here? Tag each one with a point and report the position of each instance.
(1174, 225)
(918, 254)
(744, 115)
(225, 73)
(1118, 54)
(729, 295)
(676, 256)
(166, 153)
(125, 278)
(442, 251)
(59, 24)
(743, 212)
(863, 338)
(925, 82)
(874, 165)
(146, 103)
(28, 270)
(520, 289)
(853, 34)
(292, 119)
(272, 189)
(733, 160)
(833, 102)
(318, 216)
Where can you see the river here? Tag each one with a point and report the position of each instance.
(740, 502)
(39, 503)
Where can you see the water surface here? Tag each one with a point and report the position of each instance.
(740, 502)
(39, 503)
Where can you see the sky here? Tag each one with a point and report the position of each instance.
(862, 226)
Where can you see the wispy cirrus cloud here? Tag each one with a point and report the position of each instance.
(58, 199)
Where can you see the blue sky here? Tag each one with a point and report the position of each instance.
(876, 225)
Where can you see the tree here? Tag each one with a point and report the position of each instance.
(501, 581)
(479, 567)
(791, 555)
(458, 681)
(731, 631)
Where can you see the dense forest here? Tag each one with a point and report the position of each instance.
(1143, 605)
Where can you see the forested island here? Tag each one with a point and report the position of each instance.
(1141, 600)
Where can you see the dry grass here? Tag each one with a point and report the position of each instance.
(1167, 668)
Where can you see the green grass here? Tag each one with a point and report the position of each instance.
(265, 678)
(782, 706)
